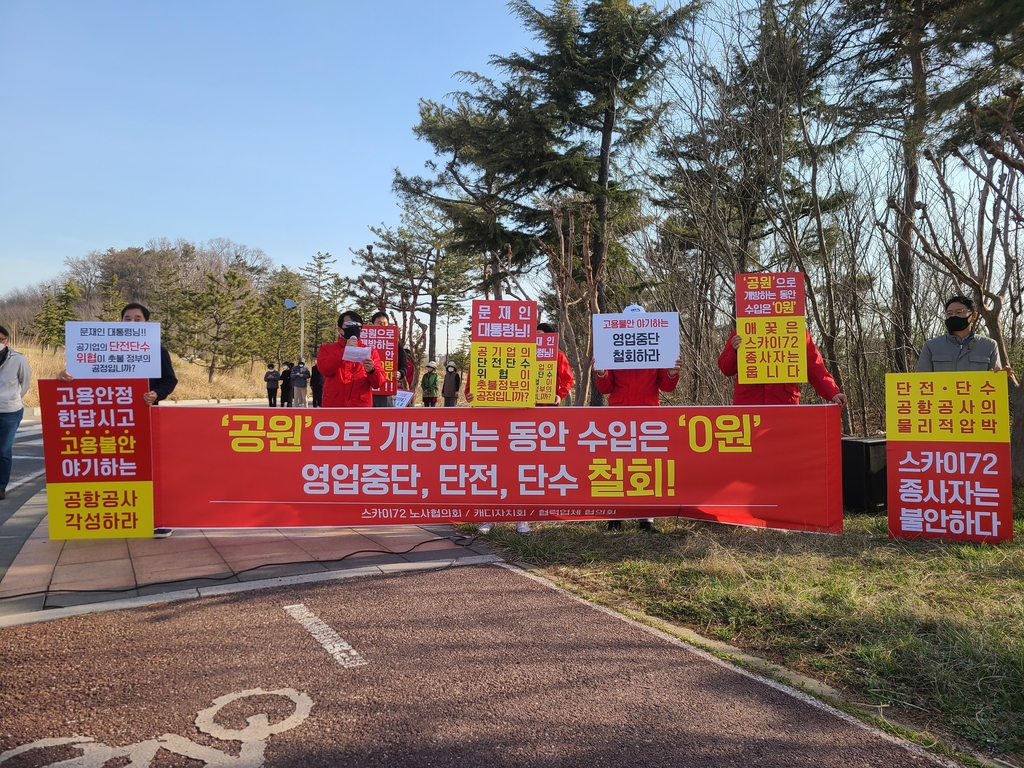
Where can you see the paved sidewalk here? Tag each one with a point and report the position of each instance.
(49, 574)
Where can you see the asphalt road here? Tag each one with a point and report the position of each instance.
(27, 479)
(470, 666)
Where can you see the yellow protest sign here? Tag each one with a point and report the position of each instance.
(773, 350)
(504, 373)
(102, 510)
(964, 406)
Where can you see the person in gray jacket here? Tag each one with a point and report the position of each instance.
(961, 349)
(15, 379)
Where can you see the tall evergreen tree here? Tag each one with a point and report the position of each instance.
(321, 302)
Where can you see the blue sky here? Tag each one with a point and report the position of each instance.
(275, 124)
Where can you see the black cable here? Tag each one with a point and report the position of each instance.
(457, 540)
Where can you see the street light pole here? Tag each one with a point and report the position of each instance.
(291, 304)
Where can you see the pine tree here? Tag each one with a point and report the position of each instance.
(321, 302)
(113, 300)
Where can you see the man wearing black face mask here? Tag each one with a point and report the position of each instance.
(348, 383)
(961, 349)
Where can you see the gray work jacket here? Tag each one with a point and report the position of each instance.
(949, 353)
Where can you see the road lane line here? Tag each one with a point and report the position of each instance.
(332, 642)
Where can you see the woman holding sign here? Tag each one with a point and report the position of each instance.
(350, 371)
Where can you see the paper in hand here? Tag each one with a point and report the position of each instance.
(357, 354)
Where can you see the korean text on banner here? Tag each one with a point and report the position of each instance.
(96, 350)
(388, 466)
(383, 338)
(770, 294)
(503, 353)
(773, 350)
(948, 456)
(547, 368)
(636, 340)
(99, 473)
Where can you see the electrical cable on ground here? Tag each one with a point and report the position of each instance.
(458, 540)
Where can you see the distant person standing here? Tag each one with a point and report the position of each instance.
(15, 380)
(273, 379)
(451, 385)
(316, 384)
(430, 385)
(300, 383)
(286, 385)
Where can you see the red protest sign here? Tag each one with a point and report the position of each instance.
(383, 338)
(770, 294)
(948, 456)
(97, 448)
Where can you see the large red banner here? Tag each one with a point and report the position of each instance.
(775, 466)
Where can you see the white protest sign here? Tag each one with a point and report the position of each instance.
(357, 354)
(636, 340)
(402, 398)
(96, 350)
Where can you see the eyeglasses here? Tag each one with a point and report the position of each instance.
(958, 312)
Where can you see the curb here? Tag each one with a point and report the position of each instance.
(39, 617)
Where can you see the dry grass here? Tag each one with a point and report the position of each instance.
(193, 381)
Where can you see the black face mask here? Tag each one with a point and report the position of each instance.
(954, 323)
(350, 331)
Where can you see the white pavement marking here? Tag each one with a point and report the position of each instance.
(37, 441)
(332, 642)
(26, 479)
(38, 458)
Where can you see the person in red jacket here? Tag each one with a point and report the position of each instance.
(564, 378)
(779, 394)
(636, 386)
(348, 384)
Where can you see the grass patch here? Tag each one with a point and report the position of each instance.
(931, 630)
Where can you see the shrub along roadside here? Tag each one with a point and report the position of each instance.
(932, 631)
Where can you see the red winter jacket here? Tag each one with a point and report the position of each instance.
(636, 386)
(564, 378)
(777, 394)
(346, 383)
